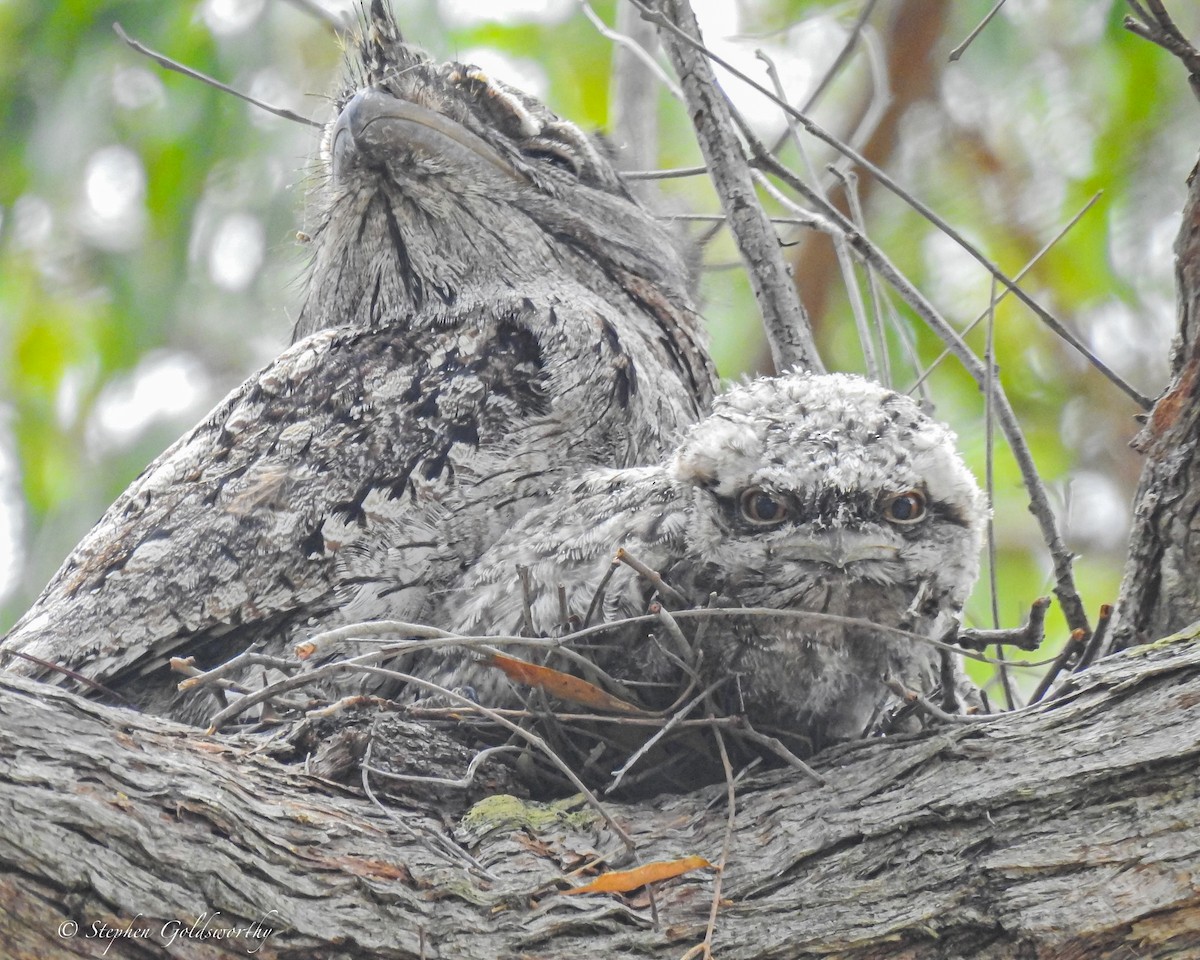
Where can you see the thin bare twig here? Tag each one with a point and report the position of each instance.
(674, 723)
(564, 609)
(1096, 643)
(874, 295)
(432, 841)
(850, 153)
(904, 333)
(628, 43)
(1158, 27)
(684, 649)
(983, 315)
(1073, 648)
(58, 668)
(849, 280)
(598, 596)
(989, 434)
(165, 61)
(672, 174)
(1028, 636)
(195, 677)
(922, 705)
(461, 783)
(525, 577)
(808, 222)
(653, 577)
(777, 747)
(882, 94)
(962, 47)
(843, 55)
(857, 307)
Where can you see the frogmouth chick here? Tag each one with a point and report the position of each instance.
(825, 494)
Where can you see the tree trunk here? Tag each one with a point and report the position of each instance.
(1070, 830)
(1160, 590)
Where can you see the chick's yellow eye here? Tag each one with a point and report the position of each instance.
(906, 507)
(762, 508)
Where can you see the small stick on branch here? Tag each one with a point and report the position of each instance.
(66, 672)
(777, 747)
(460, 784)
(627, 41)
(1073, 648)
(652, 576)
(1157, 26)
(196, 678)
(526, 600)
(675, 173)
(922, 705)
(958, 51)
(1028, 636)
(1017, 278)
(1096, 644)
(683, 649)
(435, 843)
(564, 609)
(672, 724)
(598, 596)
(989, 419)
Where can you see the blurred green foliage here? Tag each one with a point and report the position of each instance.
(124, 186)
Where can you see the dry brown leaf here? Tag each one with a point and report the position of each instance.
(561, 685)
(622, 881)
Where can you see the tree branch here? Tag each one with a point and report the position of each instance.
(787, 326)
(1063, 831)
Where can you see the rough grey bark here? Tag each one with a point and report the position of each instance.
(1070, 830)
(1160, 590)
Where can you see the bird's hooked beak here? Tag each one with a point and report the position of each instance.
(375, 125)
(839, 548)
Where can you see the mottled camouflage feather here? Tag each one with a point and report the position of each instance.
(478, 323)
(832, 450)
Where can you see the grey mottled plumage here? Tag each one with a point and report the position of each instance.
(824, 493)
(487, 311)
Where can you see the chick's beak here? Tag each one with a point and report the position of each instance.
(839, 548)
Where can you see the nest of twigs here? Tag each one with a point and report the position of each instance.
(571, 724)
